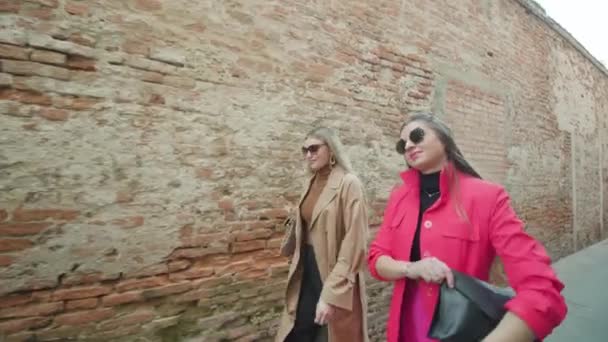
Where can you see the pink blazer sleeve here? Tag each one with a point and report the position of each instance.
(538, 300)
(381, 245)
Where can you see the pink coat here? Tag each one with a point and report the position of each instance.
(469, 246)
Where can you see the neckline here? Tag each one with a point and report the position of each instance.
(429, 183)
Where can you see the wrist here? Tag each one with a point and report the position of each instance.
(407, 270)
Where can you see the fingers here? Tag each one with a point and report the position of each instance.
(318, 317)
(437, 271)
(323, 314)
(323, 318)
(450, 279)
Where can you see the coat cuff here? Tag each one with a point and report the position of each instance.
(537, 319)
(338, 289)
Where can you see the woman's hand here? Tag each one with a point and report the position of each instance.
(430, 270)
(324, 313)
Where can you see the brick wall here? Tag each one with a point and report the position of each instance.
(149, 149)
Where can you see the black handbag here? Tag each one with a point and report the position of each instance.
(469, 311)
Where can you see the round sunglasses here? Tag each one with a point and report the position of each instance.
(312, 148)
(416, 137)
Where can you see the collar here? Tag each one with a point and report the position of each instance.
(411, 179)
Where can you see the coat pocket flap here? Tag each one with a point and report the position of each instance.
(461, 230)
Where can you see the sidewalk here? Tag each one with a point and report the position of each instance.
(585, 275)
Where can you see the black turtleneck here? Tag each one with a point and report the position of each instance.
(429, 193)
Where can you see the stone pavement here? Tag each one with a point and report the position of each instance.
(585, 275)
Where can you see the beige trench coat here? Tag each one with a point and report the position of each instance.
(339, 238)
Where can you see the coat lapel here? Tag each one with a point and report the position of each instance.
(328, 194)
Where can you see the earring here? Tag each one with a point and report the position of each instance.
(332, 160)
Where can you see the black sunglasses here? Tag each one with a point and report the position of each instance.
(416, 137)
(312, 148)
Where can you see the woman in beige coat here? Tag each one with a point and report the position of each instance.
(325, 297)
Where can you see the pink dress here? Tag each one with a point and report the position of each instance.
(415, 319)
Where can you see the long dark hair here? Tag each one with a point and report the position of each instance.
(444, 133)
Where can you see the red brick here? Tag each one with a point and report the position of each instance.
(53, 114)
(319, 72)
(34, 69)
(246, 246)
(233, 267)
(49, 57)
(134, 284)
(179, 82)
(250, 338)
(9, 245)
(226, 204)
(156, 99)
(3, 215)
(148, 5)
(81, 292)
(76, 8)
(275, 213)
(122, 298)
(31, 310)
(124, 197)
(129, 222)
(178, 265)
(82, 39)
(29, 97)
(274, 243)
(40, 284)
(83, 317)
(14, 52)
(45, 214)
(253, 235)
(192, 273)
(15, 300)
(204, 173)
(151, 76)
(134, 318)
(80, 304)
(17, 325)
(197, 252)
(42, 296)
(135, 47)
(88, 278)
(48, 3)
(167, 290)
(82, 63)
(6, 260)
(196, 27)
(21, 228)
(10, 6)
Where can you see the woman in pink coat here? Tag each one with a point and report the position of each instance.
(445, 217)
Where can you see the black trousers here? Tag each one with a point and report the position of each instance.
(305, 329)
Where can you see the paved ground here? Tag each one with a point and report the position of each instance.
(586, 277)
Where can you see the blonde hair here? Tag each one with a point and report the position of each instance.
(329, 136)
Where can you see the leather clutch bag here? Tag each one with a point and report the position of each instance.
(469, 311)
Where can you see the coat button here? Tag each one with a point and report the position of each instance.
(428, 224)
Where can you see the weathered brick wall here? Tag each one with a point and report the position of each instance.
(149, 149)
